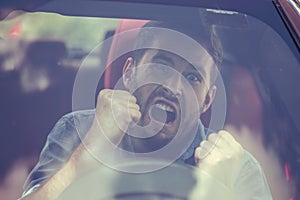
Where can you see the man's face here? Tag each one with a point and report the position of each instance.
(171, 93)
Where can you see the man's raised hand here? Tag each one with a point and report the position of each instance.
(115, 110)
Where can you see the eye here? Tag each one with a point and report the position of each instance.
(193, 78)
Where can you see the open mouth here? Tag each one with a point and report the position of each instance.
(163, 112)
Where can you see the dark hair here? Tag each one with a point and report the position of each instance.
(204, 35)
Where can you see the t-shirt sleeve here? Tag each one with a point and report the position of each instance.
(61, 142)
(251, 183)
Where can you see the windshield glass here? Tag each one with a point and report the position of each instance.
(53, 64)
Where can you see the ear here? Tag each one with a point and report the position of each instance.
(210, 96)
(128, 72)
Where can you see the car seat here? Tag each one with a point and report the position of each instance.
(114, 67)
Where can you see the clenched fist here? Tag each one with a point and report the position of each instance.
(220, 155)
(115, 110)
(227, 172)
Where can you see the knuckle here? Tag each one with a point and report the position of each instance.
(202, 153)
(197, 150)
(137, 107)
(133, 98)
(225, 134)
(204, 144)
(139, 114)
(104, 93)
(213, 137)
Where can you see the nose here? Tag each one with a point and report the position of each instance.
(174, 85)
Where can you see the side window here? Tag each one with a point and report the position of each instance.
(38, 66)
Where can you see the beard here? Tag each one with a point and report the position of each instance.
(161, 118)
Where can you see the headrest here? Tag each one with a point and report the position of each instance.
(114, 67)
(244, 103)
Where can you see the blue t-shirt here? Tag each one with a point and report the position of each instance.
(249, 181)
(66, 136)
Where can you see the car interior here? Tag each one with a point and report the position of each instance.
(257, 100)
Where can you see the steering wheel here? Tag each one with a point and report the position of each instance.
(175, 182)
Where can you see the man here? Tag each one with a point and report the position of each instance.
(169, 83)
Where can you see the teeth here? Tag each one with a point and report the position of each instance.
(165, 107)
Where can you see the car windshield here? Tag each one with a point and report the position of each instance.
(56, 58)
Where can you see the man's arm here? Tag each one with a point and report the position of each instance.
(115, 110)
(79, 163)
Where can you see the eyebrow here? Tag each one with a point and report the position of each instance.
(167, 58)
(162, 56)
